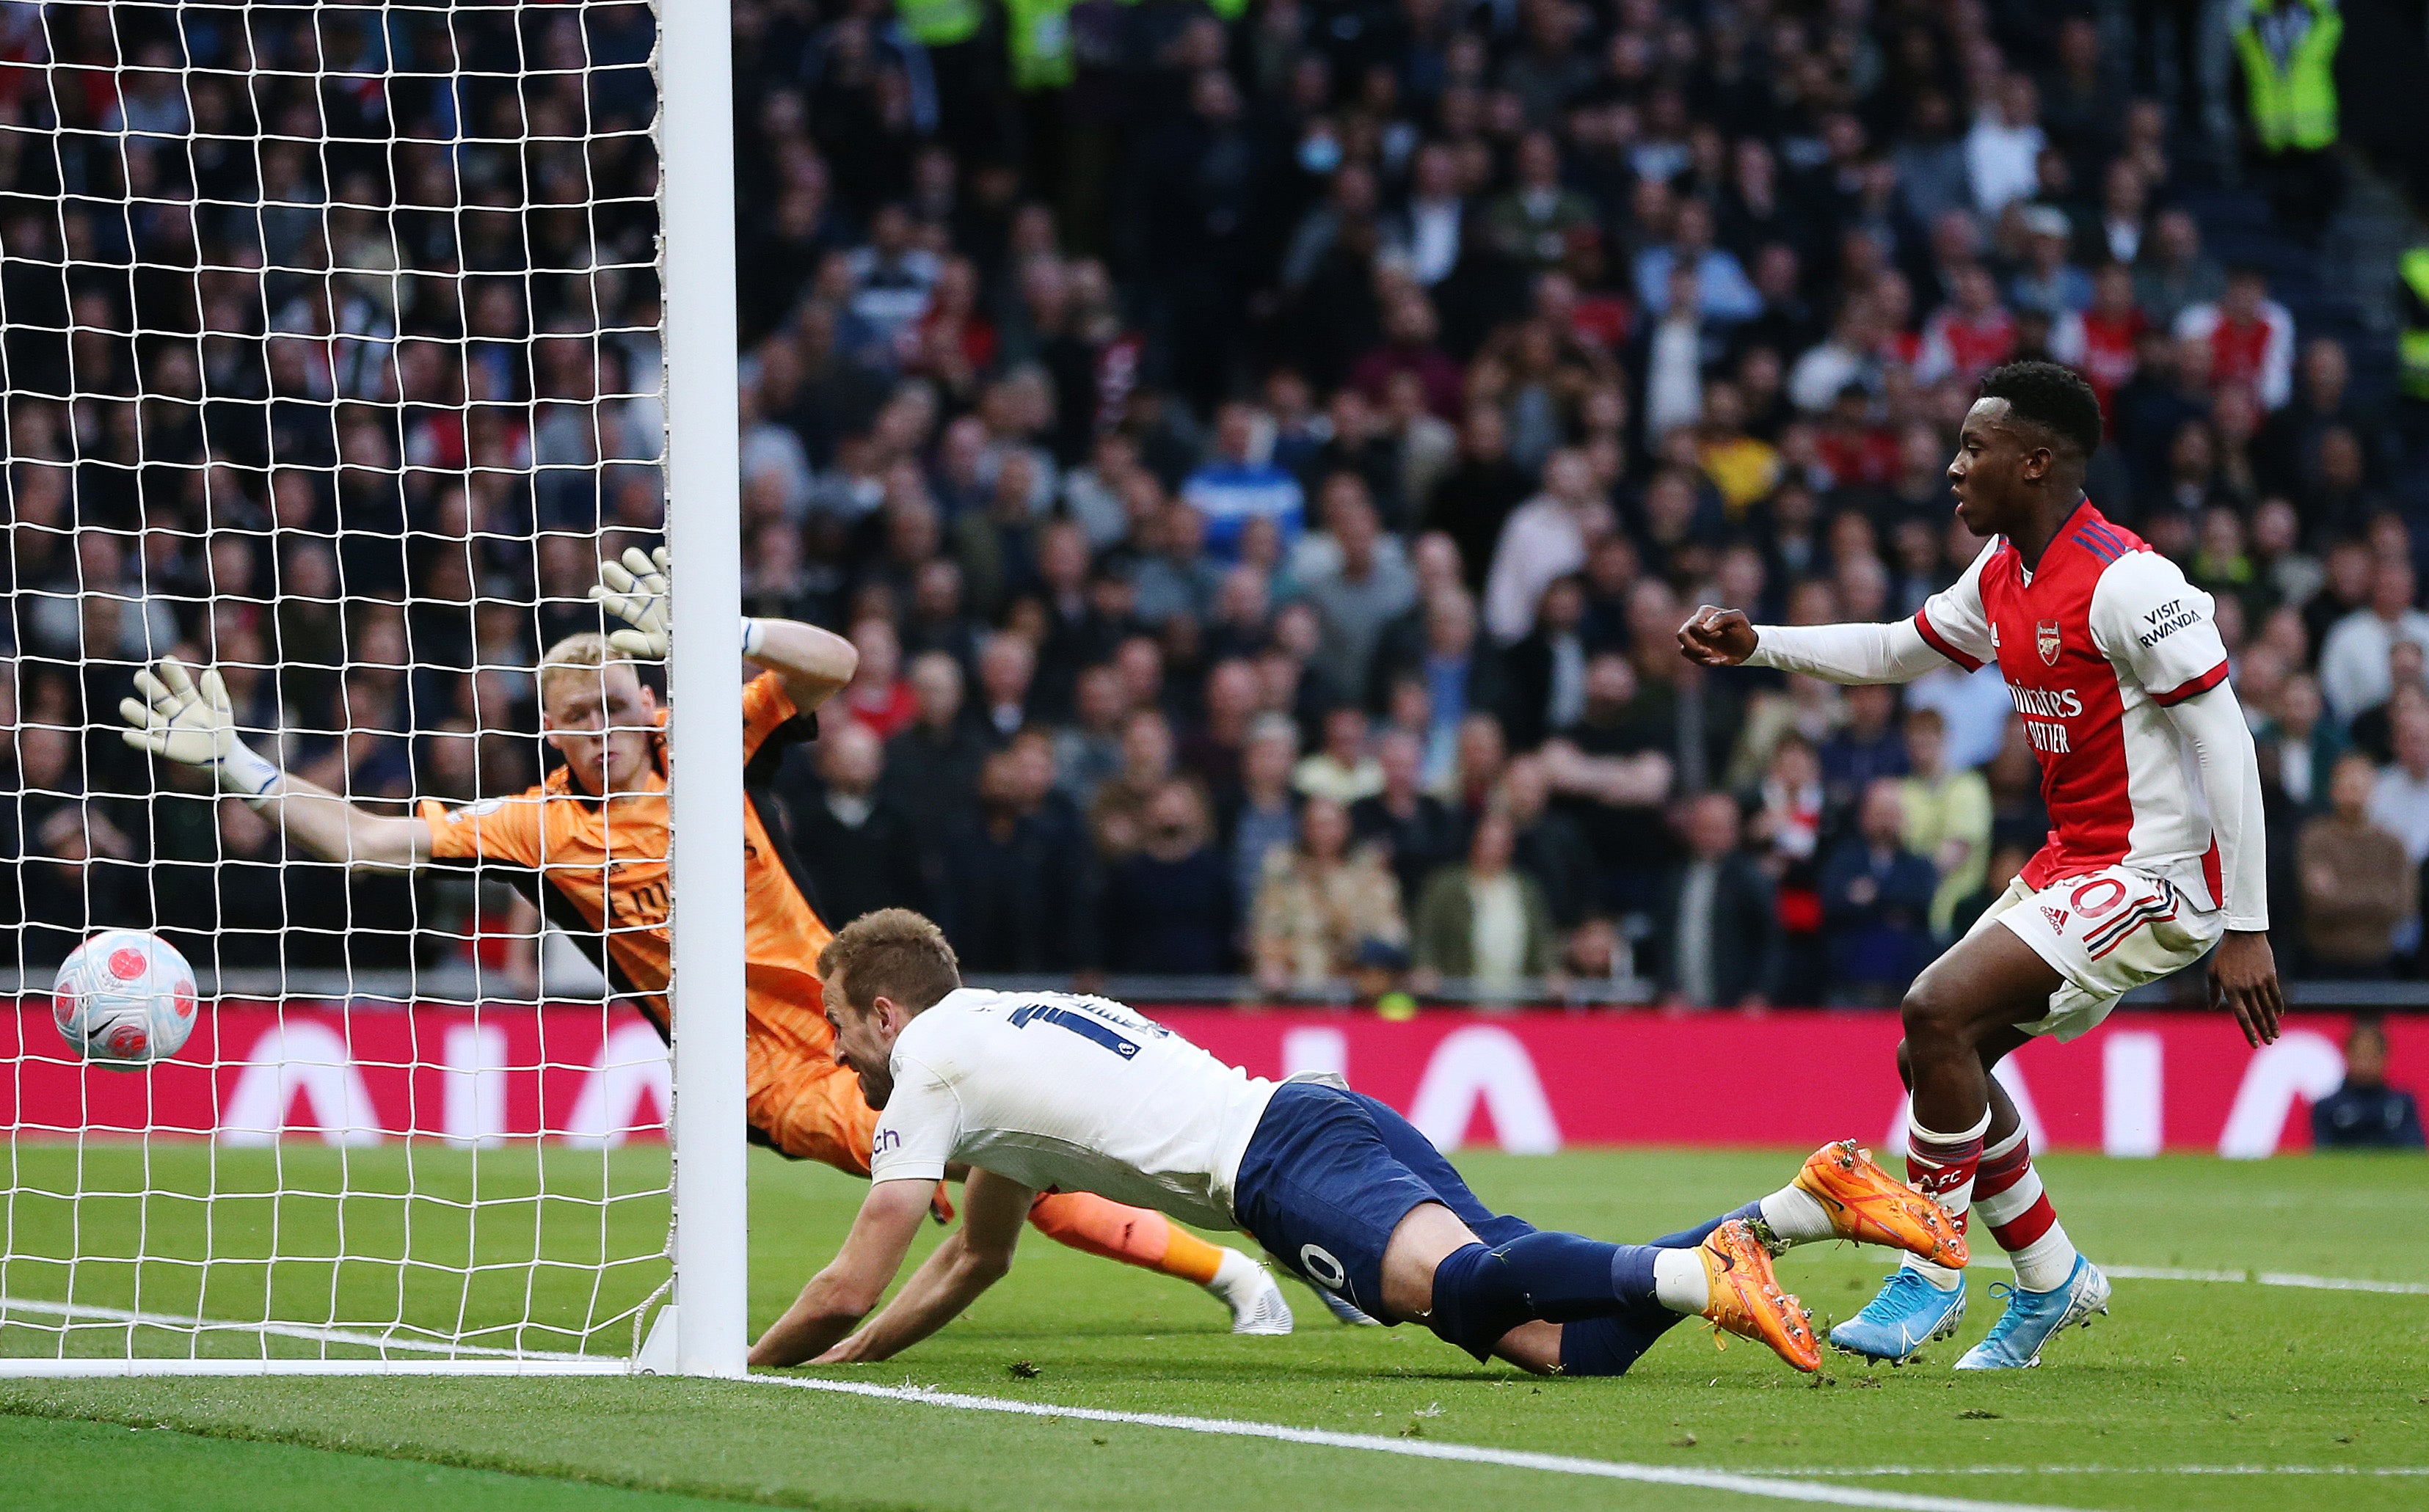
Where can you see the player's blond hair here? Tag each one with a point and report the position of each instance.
(584, 652)
(892, 953)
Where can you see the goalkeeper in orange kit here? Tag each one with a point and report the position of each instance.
(589, 848)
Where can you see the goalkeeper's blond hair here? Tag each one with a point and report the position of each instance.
(587, 651)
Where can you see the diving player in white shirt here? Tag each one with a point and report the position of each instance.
(1033, 1091)
(2157, 850)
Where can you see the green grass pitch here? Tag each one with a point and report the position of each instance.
(2325, 1393)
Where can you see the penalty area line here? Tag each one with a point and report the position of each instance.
(1766, 1486)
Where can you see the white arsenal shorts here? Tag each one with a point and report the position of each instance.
(2105, 933)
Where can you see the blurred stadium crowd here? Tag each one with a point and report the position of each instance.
(1260, 452)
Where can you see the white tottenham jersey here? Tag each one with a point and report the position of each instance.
(1063, 1093)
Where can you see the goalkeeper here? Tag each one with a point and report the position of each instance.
(589, 846)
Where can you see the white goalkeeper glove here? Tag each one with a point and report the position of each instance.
(192, 721)
(635, 591)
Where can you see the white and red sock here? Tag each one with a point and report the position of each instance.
(2008, 1192)
(1942, 1166)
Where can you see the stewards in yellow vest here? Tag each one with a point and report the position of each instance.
(2289, 51)
(2288, 48)
(1039, 35)
(940, 23)
(2412, 343)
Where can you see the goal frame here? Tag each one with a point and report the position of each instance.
(702, 1329)
(703, 529)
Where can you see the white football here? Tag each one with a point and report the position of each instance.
(125, 999)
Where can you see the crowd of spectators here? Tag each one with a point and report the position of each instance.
(1262, 464)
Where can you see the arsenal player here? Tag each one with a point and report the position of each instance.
(2116, 667)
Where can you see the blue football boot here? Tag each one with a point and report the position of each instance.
(1909, 1313)
(2015, 1341)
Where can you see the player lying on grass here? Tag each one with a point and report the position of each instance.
(1044, 1092)
(2158, 853)
(589, 846)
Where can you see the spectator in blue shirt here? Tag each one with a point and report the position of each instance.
(1724, 292)
(1877, 903)
(2365, 1113)
(1867, 748)
(2048, 283)
(1237, 484)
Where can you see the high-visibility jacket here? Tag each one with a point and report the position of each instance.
(2412, 346)
(1039, 37)
(2290, 71)
(940, 23)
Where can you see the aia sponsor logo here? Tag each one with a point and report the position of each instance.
(2057, 917)
(2045, 640)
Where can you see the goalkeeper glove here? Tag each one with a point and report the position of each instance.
(635, 591)
(192, 721)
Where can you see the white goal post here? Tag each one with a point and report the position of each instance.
(338, 342)
(704, 531)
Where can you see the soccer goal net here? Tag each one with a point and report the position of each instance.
(333, 356)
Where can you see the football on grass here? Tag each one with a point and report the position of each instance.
(125, 999)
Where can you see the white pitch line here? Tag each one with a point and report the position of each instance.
(1740, 1483)
(315, 1333)
(2265, 1278)
(2100, 1472)
(258, 1366)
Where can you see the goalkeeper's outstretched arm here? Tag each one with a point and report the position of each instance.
(186, 718)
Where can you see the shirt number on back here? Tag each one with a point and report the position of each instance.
(1080, 1024)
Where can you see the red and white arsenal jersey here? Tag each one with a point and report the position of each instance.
(2095, 645)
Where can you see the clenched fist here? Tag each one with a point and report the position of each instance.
(1717, 637)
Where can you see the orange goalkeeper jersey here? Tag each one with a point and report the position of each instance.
(598, 870)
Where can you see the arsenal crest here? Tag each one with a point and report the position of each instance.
(2045, 637)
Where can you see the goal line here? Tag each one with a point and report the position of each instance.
(426, 1356)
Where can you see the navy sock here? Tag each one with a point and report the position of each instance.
(1687, 1239)
(1607, 1346)
(1480, 1293)
(1631, 1278)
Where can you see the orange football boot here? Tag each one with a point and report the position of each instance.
(1871, 1207)
(1746, 1299)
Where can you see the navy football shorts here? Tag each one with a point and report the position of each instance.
(1331, 1173)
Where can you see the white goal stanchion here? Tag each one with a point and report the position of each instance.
(339, 343)
(703, 529)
